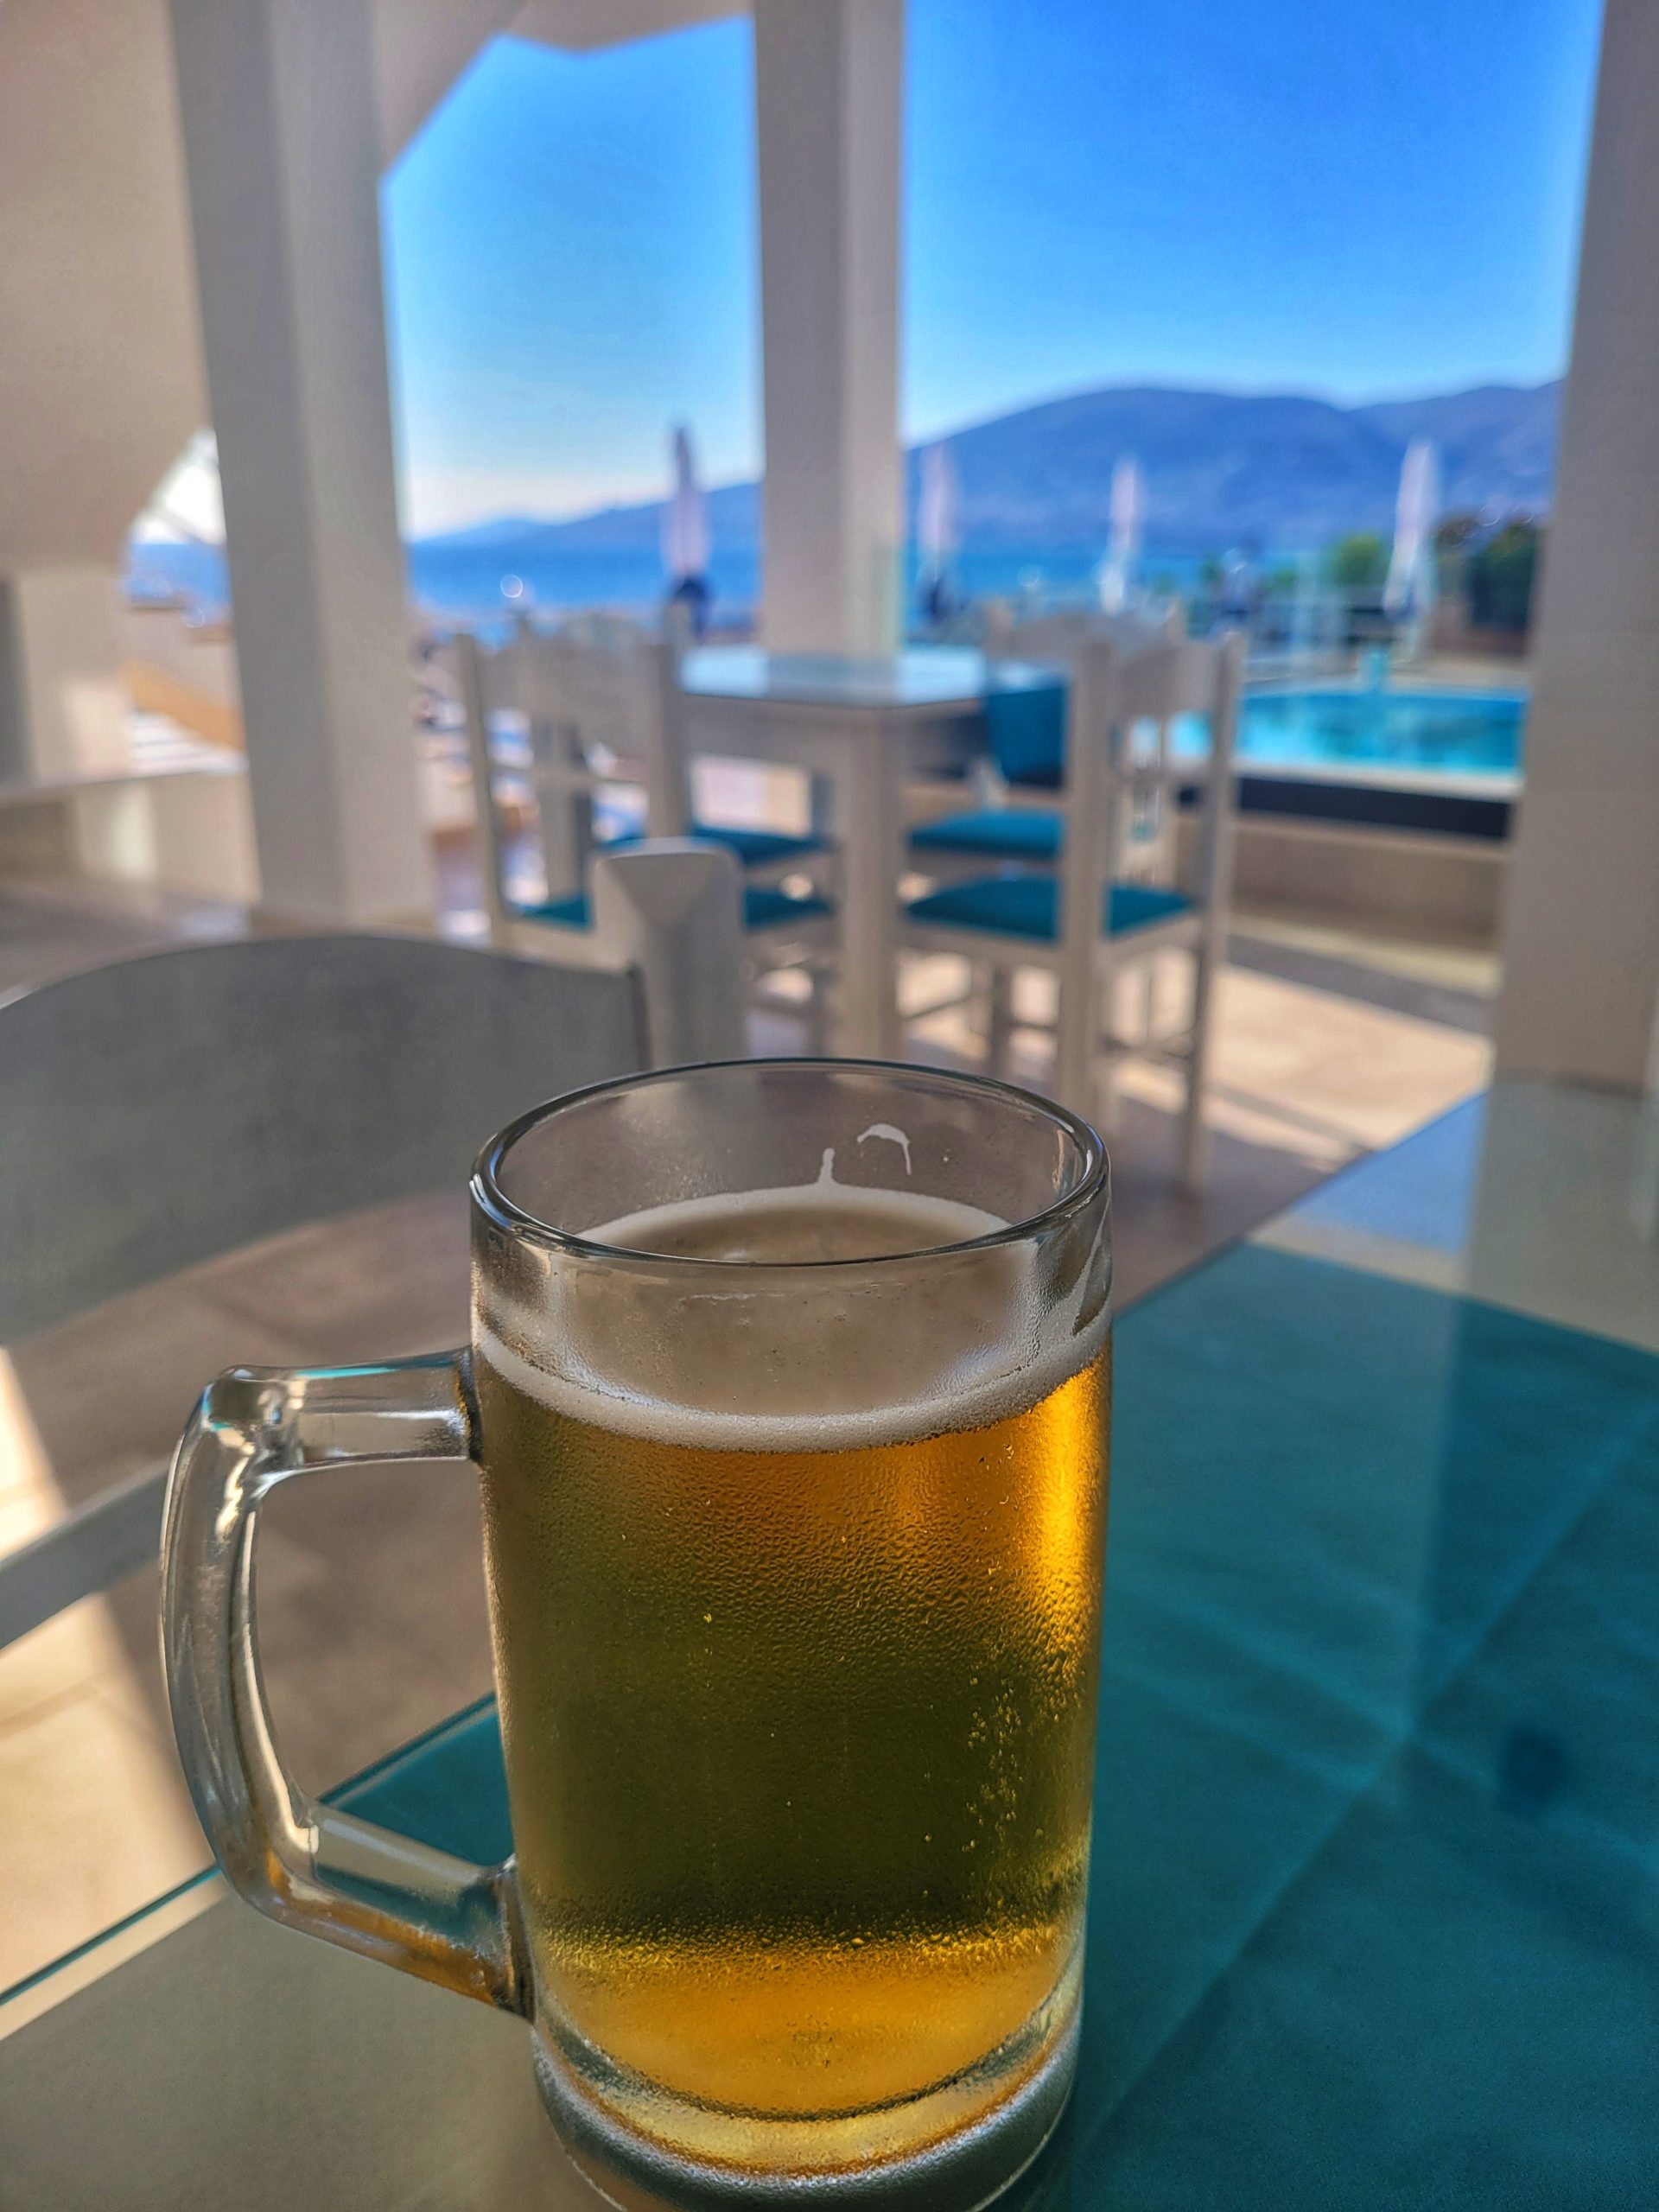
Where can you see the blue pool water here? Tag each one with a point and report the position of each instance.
(1449, 733)
(1414, 737)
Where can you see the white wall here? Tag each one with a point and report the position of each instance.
(1581, 949)
(101, 361)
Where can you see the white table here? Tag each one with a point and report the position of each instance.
(860, 724)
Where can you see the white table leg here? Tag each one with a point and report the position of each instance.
(868, 806)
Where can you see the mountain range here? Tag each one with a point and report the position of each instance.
(1287, 472)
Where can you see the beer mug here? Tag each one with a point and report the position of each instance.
(787, 1392)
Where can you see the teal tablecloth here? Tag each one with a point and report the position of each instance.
(1374, 1915)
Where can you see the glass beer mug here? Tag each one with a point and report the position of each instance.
(788, 1390)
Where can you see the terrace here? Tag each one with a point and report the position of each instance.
(1389, 908)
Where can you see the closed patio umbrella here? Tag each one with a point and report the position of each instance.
(685, 536)
(1123, 543)
(938, 526)
(1410, 586)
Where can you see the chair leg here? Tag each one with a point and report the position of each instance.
(999, 1028)
(1195, 1138)
(1107, 1099)
(1076, 1036)
(816, 1020)
(1195, 1134)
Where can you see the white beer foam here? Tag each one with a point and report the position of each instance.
(797, 1358)
(920, 1223)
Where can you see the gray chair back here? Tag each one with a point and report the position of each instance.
(163, 1110)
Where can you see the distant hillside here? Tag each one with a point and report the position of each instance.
(733, 520)
(1498, 443)
(1287, 471)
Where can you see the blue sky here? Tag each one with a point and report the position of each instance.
(1340, 196)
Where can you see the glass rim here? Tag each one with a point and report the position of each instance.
(487, 1195)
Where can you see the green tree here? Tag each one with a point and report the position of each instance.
(1500, 576)
(1358, 560)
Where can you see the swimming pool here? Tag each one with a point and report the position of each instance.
(1444, 733)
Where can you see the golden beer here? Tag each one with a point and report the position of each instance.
(798, 1707)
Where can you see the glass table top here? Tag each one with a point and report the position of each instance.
(1374, 1907)
(927, 676)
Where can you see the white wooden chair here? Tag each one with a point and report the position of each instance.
(1078, 916)
(166, 1108)
(1015, 819)
(603, 699)
(673, 905)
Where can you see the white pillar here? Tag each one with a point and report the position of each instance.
(63, 711)
(1581, 944)
(829, 96)
(278, 101)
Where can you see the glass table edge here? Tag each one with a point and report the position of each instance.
(14, 1998)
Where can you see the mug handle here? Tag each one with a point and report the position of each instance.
(313, 1866)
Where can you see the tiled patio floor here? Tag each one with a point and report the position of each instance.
(371, 1593)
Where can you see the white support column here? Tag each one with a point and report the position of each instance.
(1581, 947)
(829, 100)
(278, 101)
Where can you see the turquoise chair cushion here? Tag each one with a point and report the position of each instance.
(752, 848)
(1025, 726)
(995, 833)
(570, 913)
(1028, 906)
(764, 908)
